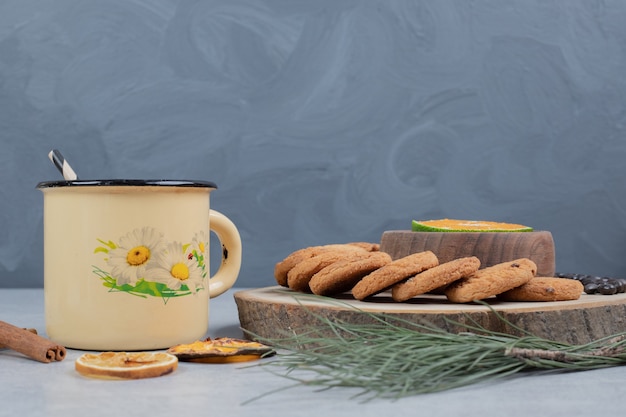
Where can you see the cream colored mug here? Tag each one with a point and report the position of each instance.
(126, 262)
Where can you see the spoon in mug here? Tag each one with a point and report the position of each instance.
(62, 165)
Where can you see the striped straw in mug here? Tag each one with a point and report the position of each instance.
(59, 161)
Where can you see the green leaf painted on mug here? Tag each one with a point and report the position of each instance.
(109, 246)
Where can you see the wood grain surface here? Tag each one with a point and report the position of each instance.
(490, 248)
(274, 311)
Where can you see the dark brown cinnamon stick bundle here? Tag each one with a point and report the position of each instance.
(30, 344)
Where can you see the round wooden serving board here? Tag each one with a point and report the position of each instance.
(272, 312)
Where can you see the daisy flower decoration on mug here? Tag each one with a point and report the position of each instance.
(144, 264)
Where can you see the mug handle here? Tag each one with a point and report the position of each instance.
(228, 271)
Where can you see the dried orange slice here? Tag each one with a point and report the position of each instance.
(123, 365)
(449, 225)
(220, 350)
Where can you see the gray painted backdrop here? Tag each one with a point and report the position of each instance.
(324, 121)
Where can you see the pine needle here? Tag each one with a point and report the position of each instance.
(394, 358)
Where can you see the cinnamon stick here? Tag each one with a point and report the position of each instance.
(34, 331)
(30, 344)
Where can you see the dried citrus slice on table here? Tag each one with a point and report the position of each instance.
(123, 365)
(450, 225)
(221, 350)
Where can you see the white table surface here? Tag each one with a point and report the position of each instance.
(30, 388)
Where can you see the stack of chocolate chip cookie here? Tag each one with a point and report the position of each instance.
(361, 268)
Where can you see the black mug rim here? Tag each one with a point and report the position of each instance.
(127, 183)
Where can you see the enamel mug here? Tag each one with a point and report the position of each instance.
(126, 262)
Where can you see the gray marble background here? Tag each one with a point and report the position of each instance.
(324, 121)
